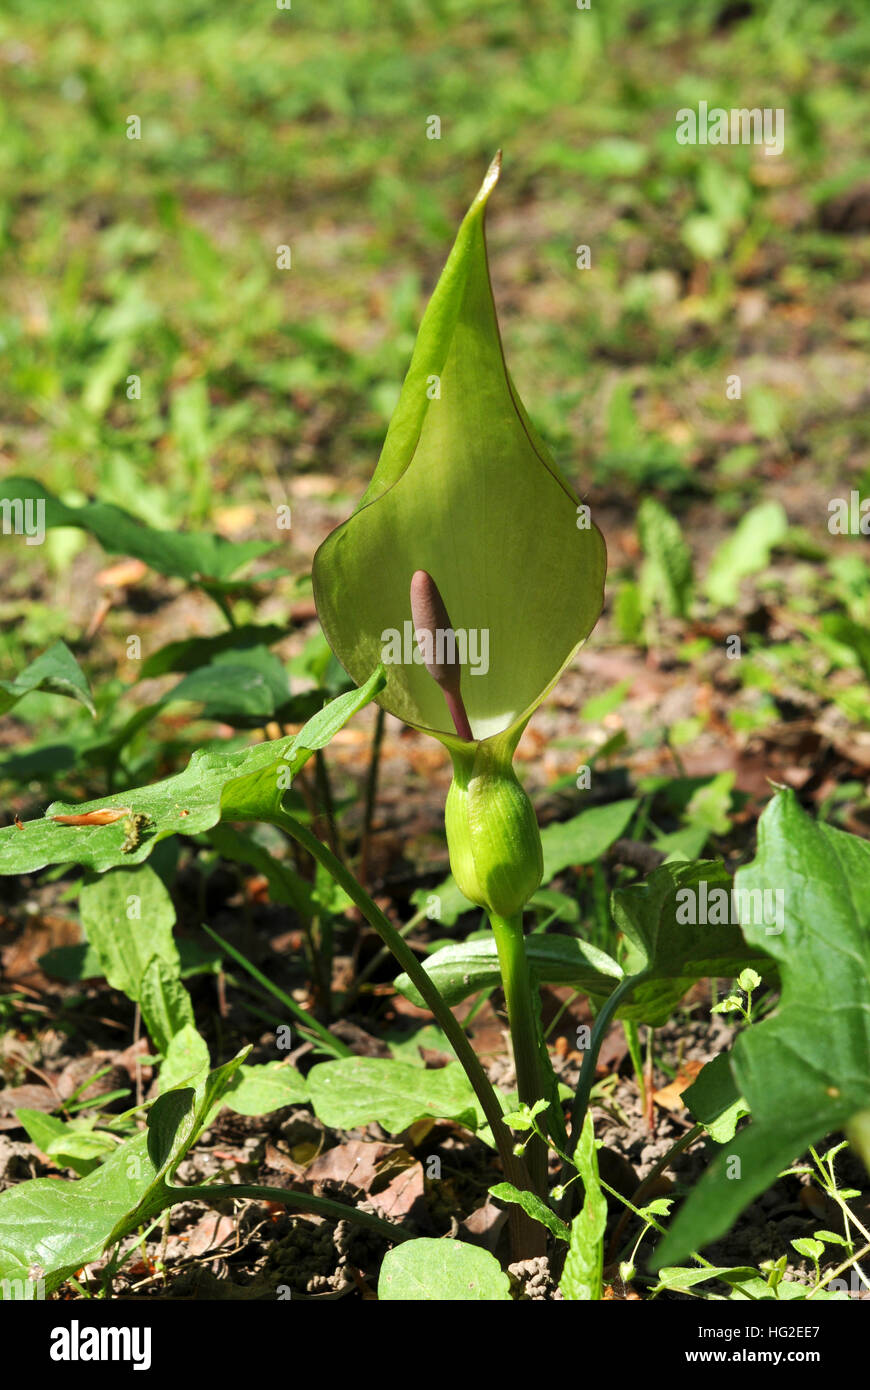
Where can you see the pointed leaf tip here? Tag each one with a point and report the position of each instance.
(490, 180)
(492, 174)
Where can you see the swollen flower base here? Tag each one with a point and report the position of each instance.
(492, 830)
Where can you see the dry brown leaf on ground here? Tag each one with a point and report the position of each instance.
(670, 1097)
(28, 1097)
(123, 574)
(357, 1163)
(484, 1226)
(402, 1197)
(210, 1232)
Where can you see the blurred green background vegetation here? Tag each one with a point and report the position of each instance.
(307, 127)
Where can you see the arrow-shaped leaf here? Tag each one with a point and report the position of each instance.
(49, 1229)
(806, 1071)
(244, 785)
(193, 555)
(361, 1090)
(56, 671)
(679, 926)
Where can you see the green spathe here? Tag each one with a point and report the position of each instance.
(465, 490)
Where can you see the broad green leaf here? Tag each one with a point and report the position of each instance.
(628, 611)
(194, 652)
(466, 490)
(853, 636)
(362, 1090)
(584, 838)
(680, 1277)
(186, 1059)
(595, 709)
(251, 683)
(194, 556)
(465, 968)
(43, 1129)
(243, 785)
(441, 1271)
(745, 552)
(406, 1046)
(327, 895)
(714, 1100)
(581, 840)
(81, 1150)
(81, 962)
(667, 942)
(683, 846)
(809, 1248)
(49, 1229)
(445, 904)
(806, 1071)
(533, 1206)
(553, 906)
(128, 918)
(258, 1090)
(581, 1276)
(523, 1118)
(244, 689)
(666, 576)
(258, 794)
(166, 1006)
(710, 805)
(56, 671)
(674, 934)
(70, 963)
(187, 804)
(71, 1144)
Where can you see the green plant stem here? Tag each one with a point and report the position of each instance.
(371, 793)
(324, 934)
(587, 1073)
(302, 1201)
(841, 1269)
(523, 1020)
(632, 1037)
(524, 1232)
